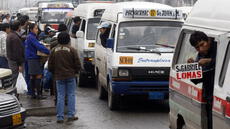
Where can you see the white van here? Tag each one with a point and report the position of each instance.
(137, 57)
(90, 14)
(187, 104)
(6, 82)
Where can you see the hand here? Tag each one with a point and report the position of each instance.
(20, 69)
(190, 60)
(204, 61)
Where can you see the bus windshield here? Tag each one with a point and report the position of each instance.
(148, 36)
(54, 15)
(92, 28)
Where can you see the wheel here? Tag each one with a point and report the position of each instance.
(81, 79)
(113, 99)
(101, 90)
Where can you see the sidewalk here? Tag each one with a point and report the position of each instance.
(36, 107)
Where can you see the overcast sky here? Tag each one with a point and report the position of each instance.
(15, 4)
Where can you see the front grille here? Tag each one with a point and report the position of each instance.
(7, 81)
(9, 107)
(149, 73)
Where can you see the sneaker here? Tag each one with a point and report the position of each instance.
(60, 121)
(72, 119)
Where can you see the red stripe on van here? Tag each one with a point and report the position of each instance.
(54, 26)
(186, 89)
(221, 106)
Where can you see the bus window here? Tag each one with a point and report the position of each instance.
(187, 51)
(224, 66)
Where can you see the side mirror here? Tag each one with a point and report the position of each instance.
(110, 43)
(39, 18)
(80, 34)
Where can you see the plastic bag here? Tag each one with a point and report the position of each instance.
(21, 84)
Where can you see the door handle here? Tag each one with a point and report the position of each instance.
(98, 59)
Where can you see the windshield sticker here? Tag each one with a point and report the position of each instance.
(157, 13)
(146, 60)
(126, 60)
(188, 71)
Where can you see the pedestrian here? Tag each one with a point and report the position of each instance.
(53, 41)
(6, 19)
(24, 21)
(15, 51)
(64, 65)
(104, 29)
(35, 67)
(76, 26)
(206, 58)
(4, 30)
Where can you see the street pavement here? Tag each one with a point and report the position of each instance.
(94, 114)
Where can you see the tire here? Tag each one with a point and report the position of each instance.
(101, 90)
(81, 80)
(113, 99)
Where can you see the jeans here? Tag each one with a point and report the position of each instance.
(66, 87)
(3, 62)
(14, 68)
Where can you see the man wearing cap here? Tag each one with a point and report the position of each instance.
(104, 29)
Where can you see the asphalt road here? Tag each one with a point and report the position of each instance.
(94, 114)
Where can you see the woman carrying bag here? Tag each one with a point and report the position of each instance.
(35, 67)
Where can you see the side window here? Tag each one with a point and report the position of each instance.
(113, 32)
(225, 66)
(70, 26)
(102, 37)
(83, 25)
(186, 51)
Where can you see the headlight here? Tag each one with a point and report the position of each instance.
(89, 54)
(0, 83)
(123, 72)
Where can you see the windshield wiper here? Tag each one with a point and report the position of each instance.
(165, 45)
(143, 48)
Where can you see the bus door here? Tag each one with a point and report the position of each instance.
(187, 106)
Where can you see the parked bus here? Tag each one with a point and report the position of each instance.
(53, 13)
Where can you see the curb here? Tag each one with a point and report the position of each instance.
(41, 111)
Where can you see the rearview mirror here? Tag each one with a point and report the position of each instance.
(80, 34)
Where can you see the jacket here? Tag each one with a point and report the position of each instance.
(64, 62)
(15, 48)
(32, 45)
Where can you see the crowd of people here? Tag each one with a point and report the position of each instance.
(20, 42)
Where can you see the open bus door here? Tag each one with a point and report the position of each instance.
(221, 100)
(188, 105)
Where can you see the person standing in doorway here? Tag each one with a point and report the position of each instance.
(206, 48)
(64, 64)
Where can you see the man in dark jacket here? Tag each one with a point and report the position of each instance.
(64, 64)
(206, 48)
(15, 50)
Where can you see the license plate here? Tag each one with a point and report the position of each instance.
(17, 119)
(156, 95)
